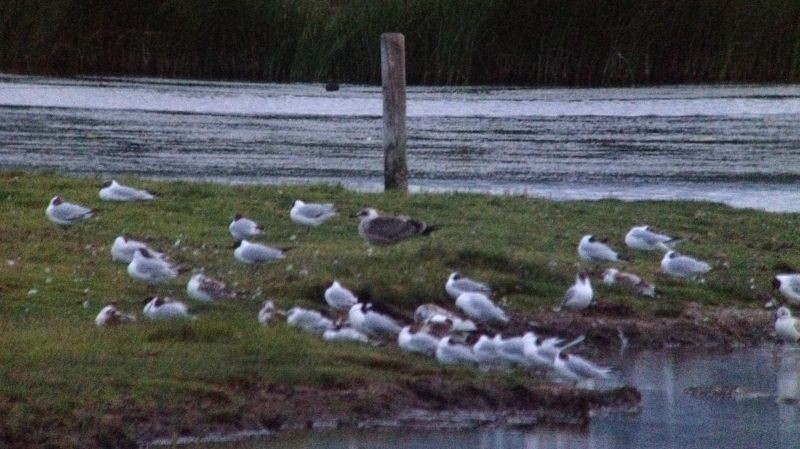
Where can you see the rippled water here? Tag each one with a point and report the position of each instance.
(670, 418)
(737, 144)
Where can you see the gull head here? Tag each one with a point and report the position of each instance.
(583, 276)
(587, 239)
(238, 217)
(563, 356)
(782, 312)
(108, 183)
(297, 203)
(237, 244)
(367, 213)
(56, 200)
(776, 283)
(144, 252)
(454, 276)
(671, 255)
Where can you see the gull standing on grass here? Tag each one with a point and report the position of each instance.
(340, 298)
(594, 251)
(311, 214)
(206, 289)
(787, 327)
(256, 253)
(266, 312)
(579, 296)
(385, 230)
(457, 284)
(111, 316)
(242, 228)
(612, 276)
(789, 286)
(63, 213)
(152, 270)
(164, 309)
(644, 239)
(414, 339)
(113, 191)
(123, 249)
(680, 266)
(480, 308)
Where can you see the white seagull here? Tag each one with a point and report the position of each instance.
(339, 298)
(66, 214)
(387, 230)
(512, 351)
(539, 352)
(111, 316)
(449, 352)
(594, 251)
(165, 309)
(308, 320)
(680, 266)
(643, 239)
(787, 327)
(487, 352)
(612, 276)
(255, 253)
(342, 332)
(371, 320)
(457, 284)
(206, 289)
(150, 269)
(580, 295)
(113, 191)
(431, 313)
(123, 248)
(242, 228)
(480, 308)
(789, 286)
(575, 368)
(266, 312)
(311, 214)
(413, 339)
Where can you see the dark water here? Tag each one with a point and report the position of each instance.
(737, 144)
(670, 418)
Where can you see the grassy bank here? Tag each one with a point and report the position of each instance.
(66, 382)
(577, 42)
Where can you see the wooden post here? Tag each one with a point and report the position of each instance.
(393, 76)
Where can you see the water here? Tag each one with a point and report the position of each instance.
(734, 144)
(669, 419)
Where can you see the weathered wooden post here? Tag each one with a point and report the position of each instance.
(393, 76)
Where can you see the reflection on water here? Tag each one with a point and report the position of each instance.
(735, 144)
(765, 414)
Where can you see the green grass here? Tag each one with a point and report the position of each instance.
(55, 362)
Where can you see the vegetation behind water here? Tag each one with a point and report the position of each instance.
(567, 42)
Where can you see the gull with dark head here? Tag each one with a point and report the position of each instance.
(343, 332)
(644, 239)
(680, 266)
(457, 284)
(787, 327)
(540, 352)
(789, 286)
(575, 368)
(63, 213)
(374, 320)
(256, 253)
(150, 269)
(114, 191)
(243, 228)
(579, 296)
(111, 316)
(311, 214)
(480, 308)
(157, 308)
(592, 250)
(123, 249)
(385, 230)
(207, 289)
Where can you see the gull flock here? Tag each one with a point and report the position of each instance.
(473, 339)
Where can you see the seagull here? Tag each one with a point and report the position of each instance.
(164, 309)
(512, 350)
(480, 308)
(449, 352)
(113, 191)
(429, 313)
(458, 284)
(387, 230)
(487, 352)
(642, 238)
(242, 228)
(340, 298)
(373, 320)
(413, 339)
(311, 214)
(266, 313)
(123, 248)
(680, 266)
(786, 326)
(343, 332)
(147, 268)
(579, 296)
(254, 253)
(612, 276)
(111, 316)
(594, 251)
(789, 286)
(308, 320)
(66, 214)
(576, 368)
(206, 289)
(539, 352)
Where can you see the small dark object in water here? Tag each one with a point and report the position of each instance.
(734, 392)
(331, 86)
